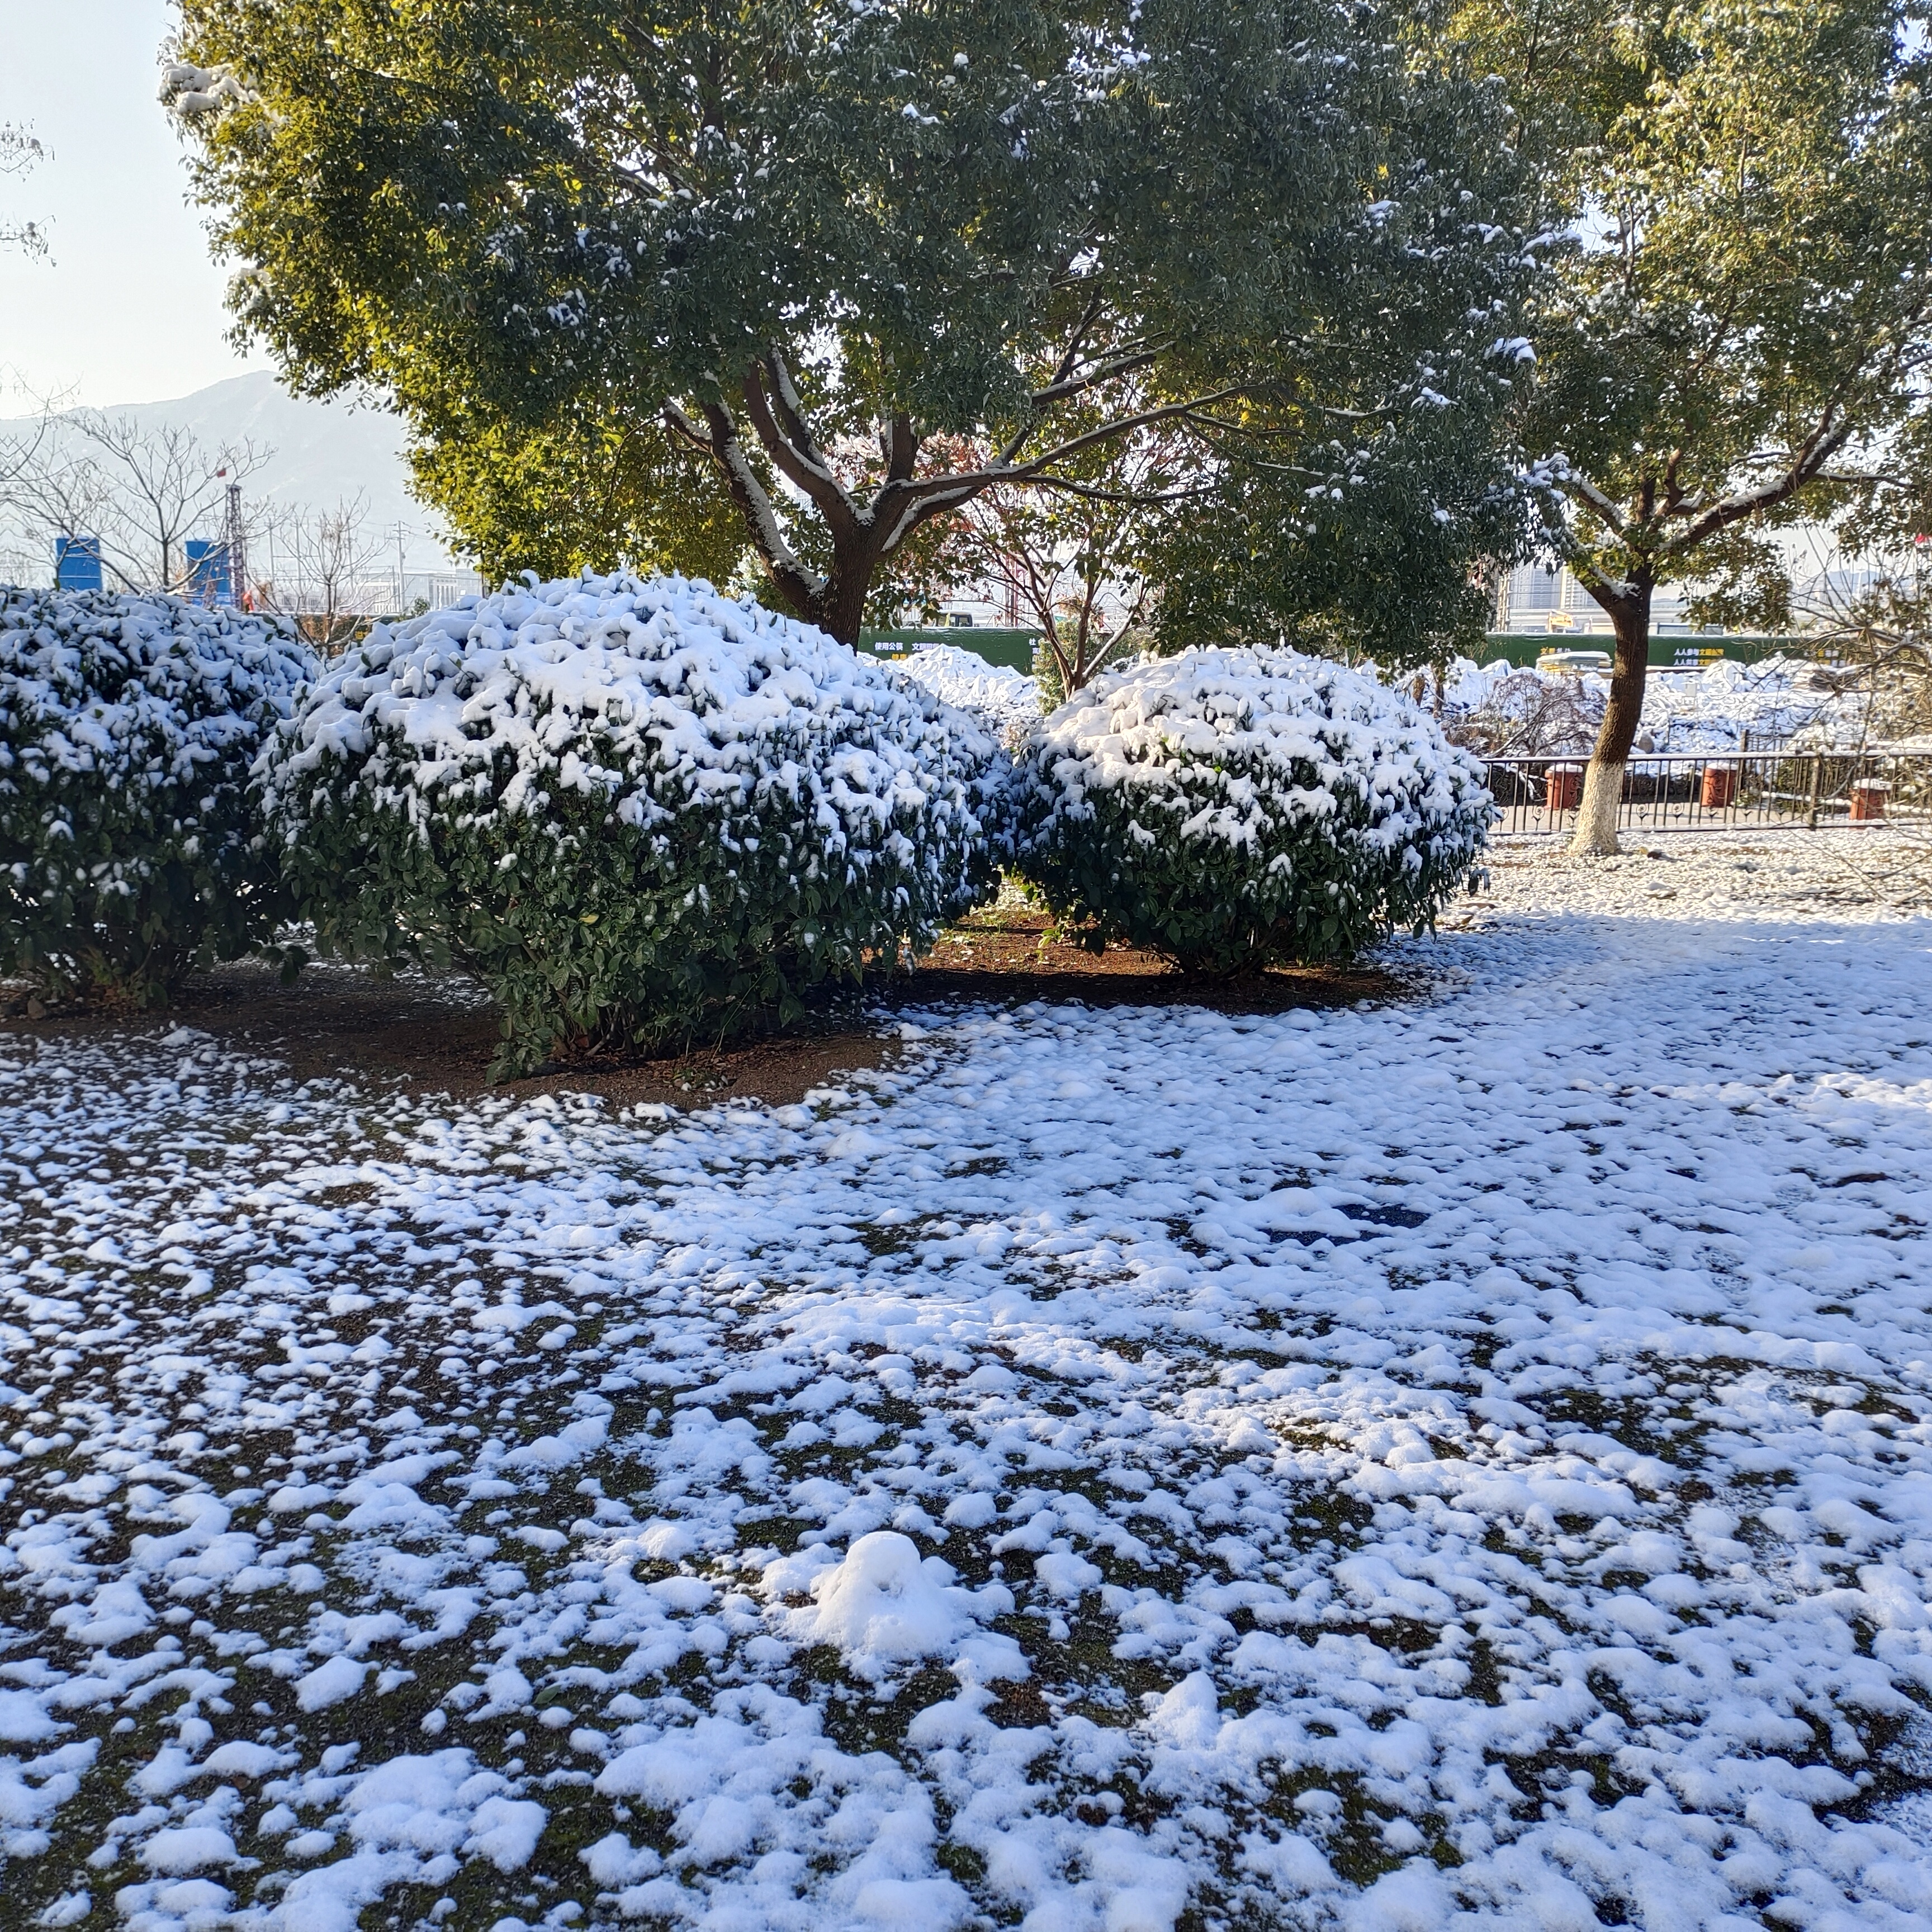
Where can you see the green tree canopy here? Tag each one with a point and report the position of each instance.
(823, 247)
(1734, 335)
(594, 486)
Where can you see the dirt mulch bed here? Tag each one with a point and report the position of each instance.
(1003, 956)
(437, 1035)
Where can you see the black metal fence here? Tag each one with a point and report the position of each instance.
(1704, 792)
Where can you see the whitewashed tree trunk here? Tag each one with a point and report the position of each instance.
(1629, 607)
(1596, 835)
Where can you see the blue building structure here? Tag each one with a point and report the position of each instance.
(208, 578)
(77, 563)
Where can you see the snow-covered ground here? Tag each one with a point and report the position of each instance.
(1463, 1462)
(1859, 872)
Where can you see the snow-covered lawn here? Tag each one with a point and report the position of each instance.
(1463, 1462)
(1859, 873)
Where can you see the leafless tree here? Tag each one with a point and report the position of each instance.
(1072, 559)
(1529, 716)
(1872, 629)
(141, 492)
(19, 450)
(321, 559)
(19, 152)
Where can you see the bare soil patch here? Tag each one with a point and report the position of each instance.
(437, 1033)
(1005, 954)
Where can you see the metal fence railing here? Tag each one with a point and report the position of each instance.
(1699, 792)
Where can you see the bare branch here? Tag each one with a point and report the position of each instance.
(970, 483)
(1823, 443)
(1088, 317)
(20, 150)
(324, 587)
(1093, 376)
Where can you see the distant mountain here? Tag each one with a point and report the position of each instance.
(323, 451)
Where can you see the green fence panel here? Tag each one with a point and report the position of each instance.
(1014, 648)
(1522, 649)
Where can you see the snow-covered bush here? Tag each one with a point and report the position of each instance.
(129, 850)
(1231, 808)
(640, 812)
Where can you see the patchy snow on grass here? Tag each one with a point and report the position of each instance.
(1465, 1462)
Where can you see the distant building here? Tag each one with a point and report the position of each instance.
(77, 563)
(1538, 598)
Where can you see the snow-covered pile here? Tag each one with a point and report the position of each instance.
(1467, 686)
(1772, 702)
(128, 847)
(1008, 702)
(1230, 807)
(882, 1606)
(1777, 701)
(629, 806)
(1445, 1474)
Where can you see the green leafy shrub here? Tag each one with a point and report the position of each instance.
(1233, 809)
(639, 811)
(129, 850)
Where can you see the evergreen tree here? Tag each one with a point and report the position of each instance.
(1734, 337)
(787, 231)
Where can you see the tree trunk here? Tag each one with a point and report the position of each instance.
(838, 609)
(1603, 783)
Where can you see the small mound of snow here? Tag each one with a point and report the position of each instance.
(883, 1605)
(24, 1719)
(1469, 686)
(329, 1683)
(191, 1848)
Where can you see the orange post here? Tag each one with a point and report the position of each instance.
(1721, 787)
(1868, 797)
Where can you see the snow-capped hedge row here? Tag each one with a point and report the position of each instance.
(1231, 808)
(640, 812)
(128, 851)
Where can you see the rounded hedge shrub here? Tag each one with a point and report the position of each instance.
(640, 812)
(129, 850)
(1233, 809)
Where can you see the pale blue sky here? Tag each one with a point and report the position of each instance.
(128, 308)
